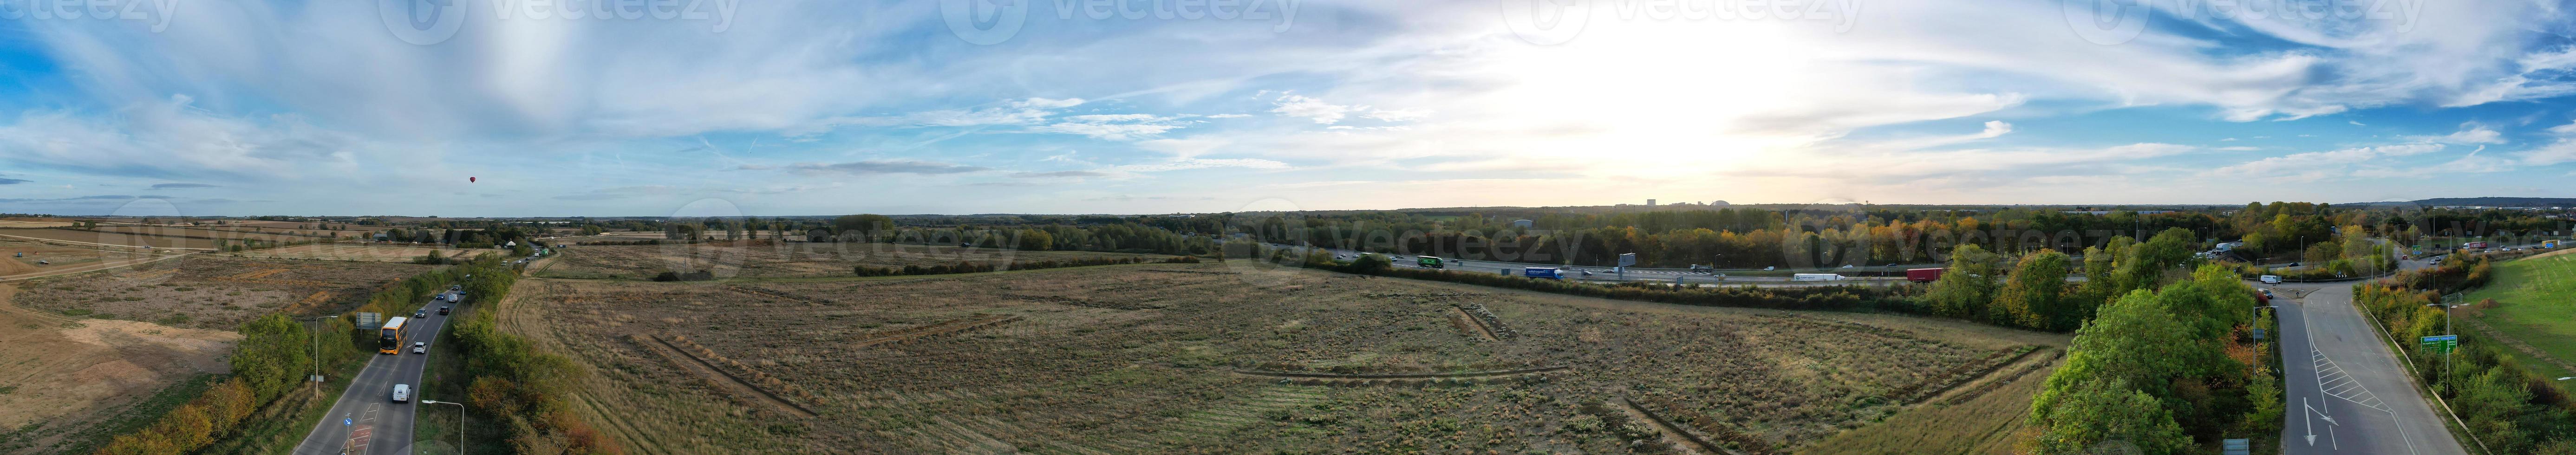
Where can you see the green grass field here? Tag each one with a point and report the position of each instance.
(2535, 306)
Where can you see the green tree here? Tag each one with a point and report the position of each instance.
(1966, 290)
(2106, 416)
(861, 227)
(2034, 295)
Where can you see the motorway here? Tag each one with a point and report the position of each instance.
(366, 421)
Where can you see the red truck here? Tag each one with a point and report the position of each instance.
(1923, 275)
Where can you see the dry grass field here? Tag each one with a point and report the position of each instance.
(1206, 358)
(767, 259)
(66, 379)
(33, 223)
(208, 292)
(220, 232)
(356, 252)
(86, 238)
(21, 257)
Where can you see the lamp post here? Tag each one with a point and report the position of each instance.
(460, 423)
(2446, 330)
(317, 349)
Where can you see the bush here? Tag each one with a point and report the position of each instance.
(701, 275)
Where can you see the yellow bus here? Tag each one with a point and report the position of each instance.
(391, 341)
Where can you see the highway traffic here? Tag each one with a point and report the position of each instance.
(366, 420)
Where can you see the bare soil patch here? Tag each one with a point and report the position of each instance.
(65, 376)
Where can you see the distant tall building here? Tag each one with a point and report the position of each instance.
(1650, 203)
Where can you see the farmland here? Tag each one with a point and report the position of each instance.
(69, 381)
(20, 257)
(219, 232)
(2526, 305)
(769, 259)
(354, 252)
(86, 238)
(1206, 358)
(208, 292)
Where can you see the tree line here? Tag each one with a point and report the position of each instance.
(2507, 407)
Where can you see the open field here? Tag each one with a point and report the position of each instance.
(1981, 417)
(86, 238)
(33, 224)
(65, 380)
(220, 232)
(356, 252)
(767, 259)
(1205, 358)
(2531, 310)
(20, 257)
(209, 292)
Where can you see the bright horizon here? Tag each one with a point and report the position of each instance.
(740, 108)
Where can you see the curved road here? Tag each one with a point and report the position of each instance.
(2347, 392)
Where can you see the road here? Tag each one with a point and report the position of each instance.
(2347, 392)
(366, 421)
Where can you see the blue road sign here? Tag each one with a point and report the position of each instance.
(347, 422)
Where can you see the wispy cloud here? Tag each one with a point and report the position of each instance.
(886, 167)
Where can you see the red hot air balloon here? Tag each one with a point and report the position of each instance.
(469, 180)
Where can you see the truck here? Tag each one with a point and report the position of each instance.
(1816, 277)
(1553, 273)
(2474, 245)
(2548, 244)
(1924, 275)
(1430, 261)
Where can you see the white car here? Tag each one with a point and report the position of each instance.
(2271, 279)
(420, 347)
(402, 393)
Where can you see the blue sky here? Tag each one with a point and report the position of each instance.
(723, 107)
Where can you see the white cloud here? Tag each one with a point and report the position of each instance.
(1100, 118)
(1108, 131)
(2470, 133)
(1229, 116)
(1310, 109)
(2312, 166)
(1203, 163)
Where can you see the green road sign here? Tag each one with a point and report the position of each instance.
(2443, 344)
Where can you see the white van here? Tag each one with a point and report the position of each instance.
(2271, 279)
(402, 393)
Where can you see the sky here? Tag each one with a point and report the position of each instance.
(731, 107)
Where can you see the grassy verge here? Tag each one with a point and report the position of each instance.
(2528, 310)
(435, 429)
(132, 417)
(277, 429)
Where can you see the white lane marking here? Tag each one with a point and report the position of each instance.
(2341, 384)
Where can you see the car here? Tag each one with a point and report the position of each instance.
(2267, 293)
(2271, 279)
(402, 393)
(442, 311)
(417, 314)
(44, 262)
(420, 347)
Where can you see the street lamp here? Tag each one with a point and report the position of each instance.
(317, 349)
(2446, 330)
(460, 423)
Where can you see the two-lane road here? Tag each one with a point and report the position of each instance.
(2347, 392)
(366, 420)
